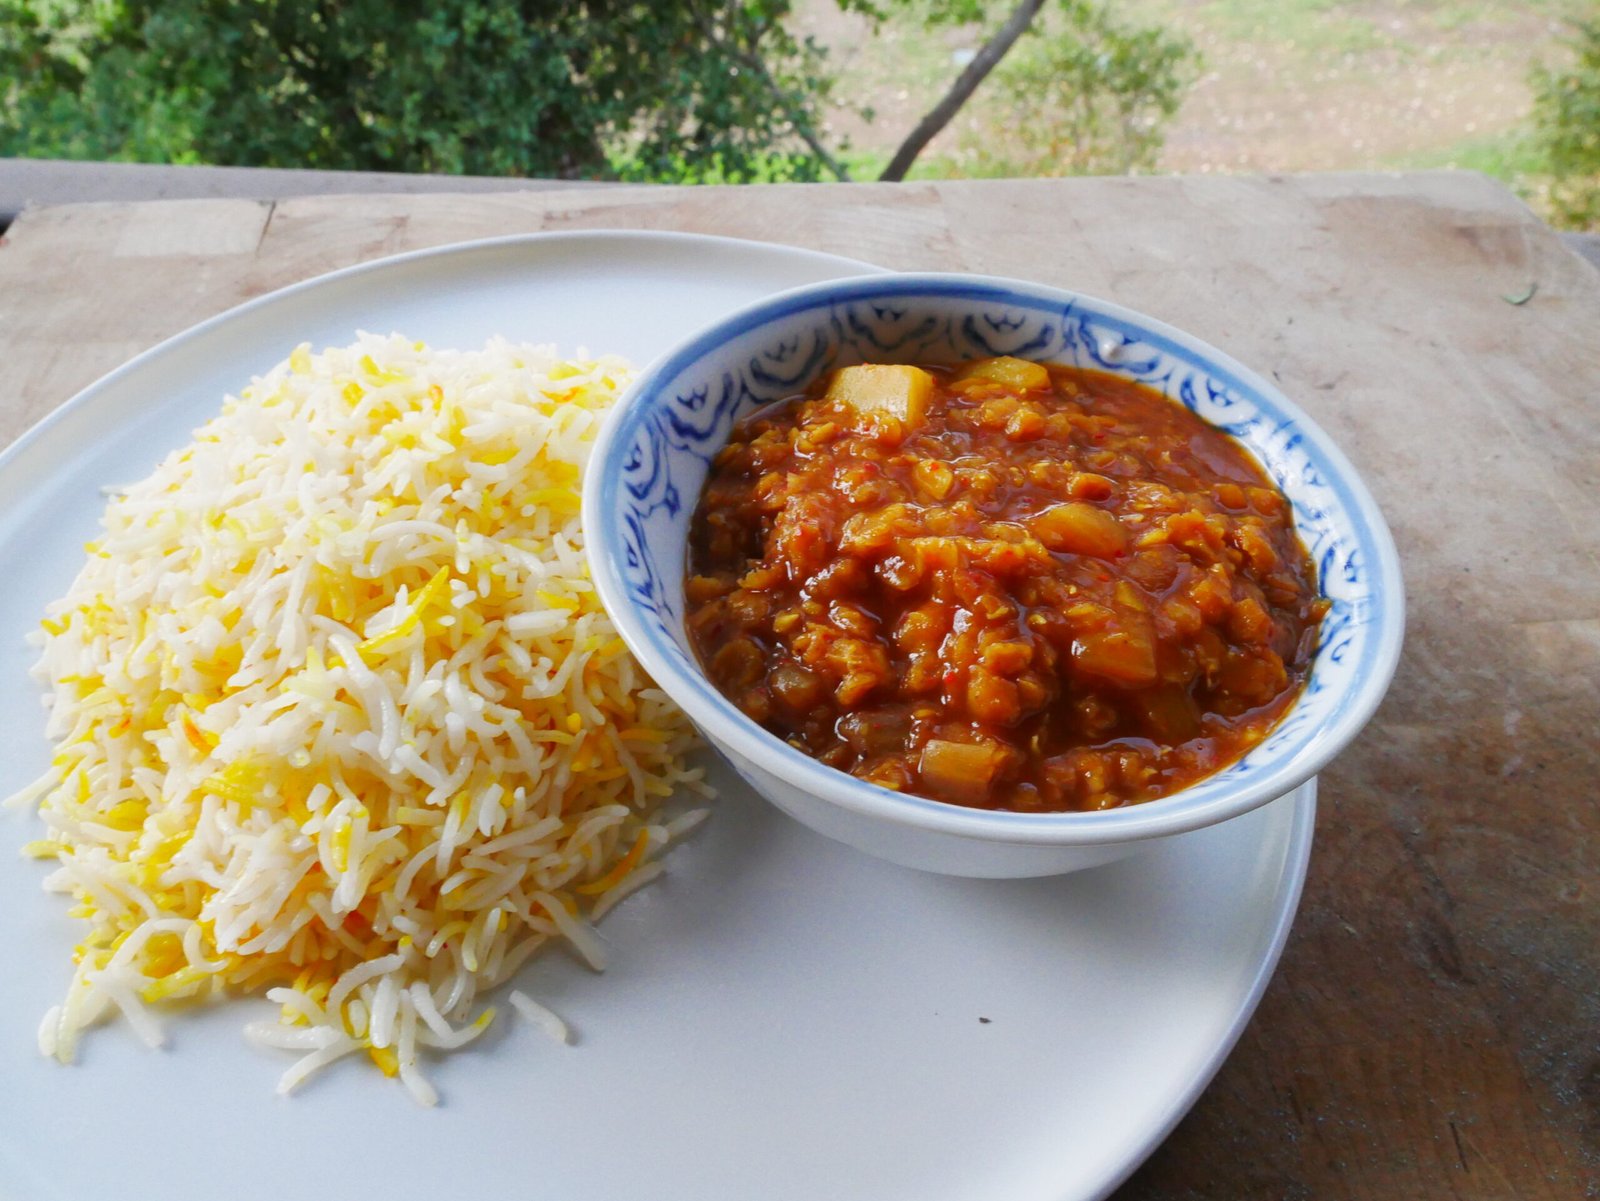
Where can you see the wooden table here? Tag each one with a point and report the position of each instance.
(1434, 1029)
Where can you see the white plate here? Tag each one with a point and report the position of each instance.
(785, 1018)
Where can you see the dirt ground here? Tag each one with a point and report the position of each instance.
(1284, 85)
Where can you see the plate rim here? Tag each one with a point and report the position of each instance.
(1296, 864)
(1289, 877)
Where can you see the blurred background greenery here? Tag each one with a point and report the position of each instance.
(764, 90)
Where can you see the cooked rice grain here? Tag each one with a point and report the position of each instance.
(340, 717)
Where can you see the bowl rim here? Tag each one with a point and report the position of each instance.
(728, 727)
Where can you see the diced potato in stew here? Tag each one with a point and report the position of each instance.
(959, 771)
(1120, 656)
(1014, 373)
(1003, 585)
(880, 390)
(1080, 529)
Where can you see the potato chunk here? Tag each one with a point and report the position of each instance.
(881, 389)
(1014, 373)
(1125, 657)
(1080, 529)
(959, 771)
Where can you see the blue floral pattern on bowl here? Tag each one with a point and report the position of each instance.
(690, 401)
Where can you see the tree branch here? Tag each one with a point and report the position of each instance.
(753, 61)
(961, 90)
(801, 123)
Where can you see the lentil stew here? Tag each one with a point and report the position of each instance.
(1005, 585)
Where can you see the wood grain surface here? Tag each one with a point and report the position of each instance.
(1434, 1028)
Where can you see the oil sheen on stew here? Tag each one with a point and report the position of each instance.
(1006, 585)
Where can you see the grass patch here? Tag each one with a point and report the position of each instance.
(1512, 156)
(866, 165)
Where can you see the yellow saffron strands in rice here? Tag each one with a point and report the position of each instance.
(340, 717)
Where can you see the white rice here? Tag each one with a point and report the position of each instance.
(544, 1018)
(340, 718)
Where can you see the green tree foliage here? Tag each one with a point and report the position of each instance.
(1087, 94)
(1566, 113)
(603, 88)
(692, 90)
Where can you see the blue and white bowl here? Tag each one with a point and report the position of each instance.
(652, 458)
